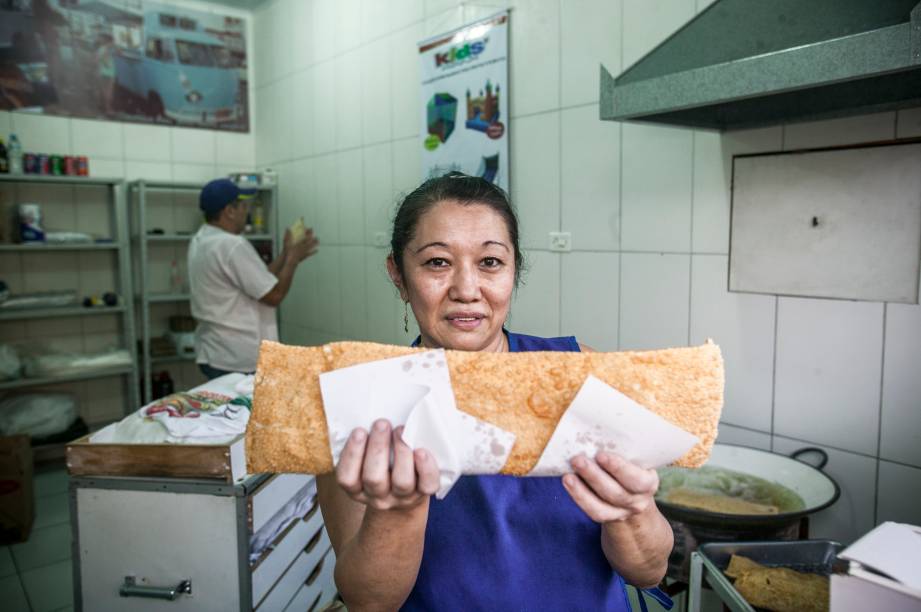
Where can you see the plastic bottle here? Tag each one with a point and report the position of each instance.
(175, 278)
(4, 159)
(258, 217)
(162, 385)
(15, 155)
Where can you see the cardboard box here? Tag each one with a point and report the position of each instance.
(883, 572)
(17, 498)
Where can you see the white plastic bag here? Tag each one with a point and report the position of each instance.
(37, 414)
(10, 365)
(37, 365)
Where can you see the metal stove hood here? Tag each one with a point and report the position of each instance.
(751, 63)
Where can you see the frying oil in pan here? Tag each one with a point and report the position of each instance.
(726, 491)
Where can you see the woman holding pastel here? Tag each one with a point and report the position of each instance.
(495, 542)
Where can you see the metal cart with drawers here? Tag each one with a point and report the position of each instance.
(144, 540)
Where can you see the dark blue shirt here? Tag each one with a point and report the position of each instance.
(507, 543)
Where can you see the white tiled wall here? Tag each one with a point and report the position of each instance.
(827, 383)
(648, 208)
(120, 150)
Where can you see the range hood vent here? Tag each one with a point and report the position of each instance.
(751, 63)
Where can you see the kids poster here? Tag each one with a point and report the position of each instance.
(465, 101)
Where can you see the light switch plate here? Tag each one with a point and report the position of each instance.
(561, 241)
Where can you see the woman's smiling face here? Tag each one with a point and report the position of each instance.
(458, 276)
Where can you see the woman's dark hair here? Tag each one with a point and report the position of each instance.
(456, 187)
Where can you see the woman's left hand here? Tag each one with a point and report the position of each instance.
(610, 488)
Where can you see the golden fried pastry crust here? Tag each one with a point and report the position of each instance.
(524, 393)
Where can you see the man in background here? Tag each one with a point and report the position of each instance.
(234, 293)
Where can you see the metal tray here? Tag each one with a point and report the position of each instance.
(709, 561)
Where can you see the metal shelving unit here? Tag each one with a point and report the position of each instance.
(138, 192)
(171, 358)
(162, 298)
(42, 247)
(62, 311)
(120, 245)
(185, 237)
(88, 374)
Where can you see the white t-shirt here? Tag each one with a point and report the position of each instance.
(227, 278)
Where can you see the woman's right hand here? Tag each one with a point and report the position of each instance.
(365, 473)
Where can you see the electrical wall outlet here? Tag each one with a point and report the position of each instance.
(381, 239)
(561, 241)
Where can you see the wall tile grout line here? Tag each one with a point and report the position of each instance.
(342, 150)
(745, 427)
(620, 198)
(774, 368)
(879, 420)
(835, 448)
(901, 463)
(559, 208)
(691, 237)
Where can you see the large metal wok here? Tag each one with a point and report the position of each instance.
(694, 526)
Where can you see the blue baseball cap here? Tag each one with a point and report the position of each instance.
(219, 193)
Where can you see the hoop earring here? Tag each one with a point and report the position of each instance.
(406, 317)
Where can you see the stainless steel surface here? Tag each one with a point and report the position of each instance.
(118, 528)
(709, 561)
(130, 588)
(748, 63)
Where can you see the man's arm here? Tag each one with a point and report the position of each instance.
(278, 262)
(284, 272)
(284, 266)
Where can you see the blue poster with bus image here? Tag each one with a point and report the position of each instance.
(127, 60)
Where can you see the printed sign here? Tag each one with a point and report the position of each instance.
(465, 101)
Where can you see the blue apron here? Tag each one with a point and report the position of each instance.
(507, 543)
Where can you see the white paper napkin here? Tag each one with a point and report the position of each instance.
(415, 391)
(601, 418)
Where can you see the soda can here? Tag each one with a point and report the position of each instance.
(70, 165)
(44, 164)
(57, 165)
(29, 163)
(83, 166)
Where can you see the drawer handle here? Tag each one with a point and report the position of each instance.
(312, 511)
(131, 588)
(314, 540)
(316, 572)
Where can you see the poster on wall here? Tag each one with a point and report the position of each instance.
(465, 101)
(124, 60)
